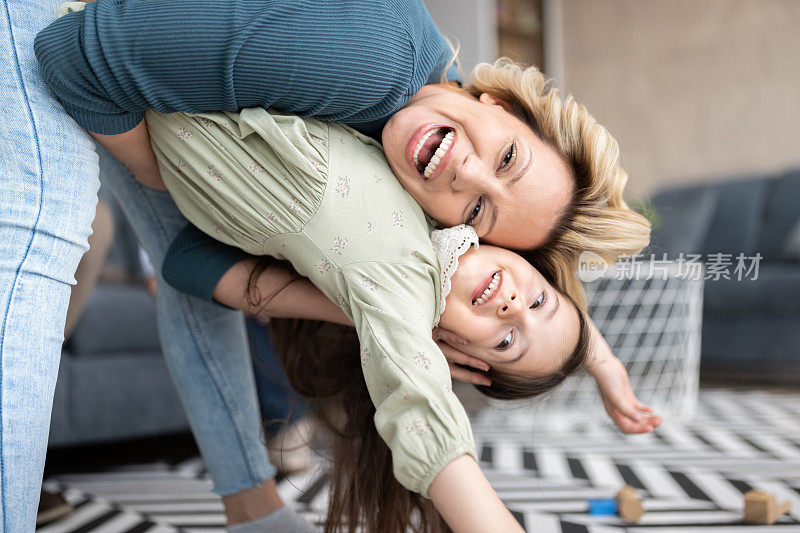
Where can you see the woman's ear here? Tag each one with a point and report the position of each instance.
(488, 99)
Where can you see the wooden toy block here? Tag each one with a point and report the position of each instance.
(629, 504)
(762, 508)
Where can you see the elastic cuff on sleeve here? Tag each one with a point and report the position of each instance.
(440, 463)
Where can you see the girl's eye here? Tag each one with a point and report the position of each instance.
(539, 301)
(474, 213)
(506, 343)
(509, 157)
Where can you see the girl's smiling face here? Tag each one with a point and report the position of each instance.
(513, 318)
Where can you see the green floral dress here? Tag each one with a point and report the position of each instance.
(323, 197)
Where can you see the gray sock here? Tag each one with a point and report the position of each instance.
(284, 520)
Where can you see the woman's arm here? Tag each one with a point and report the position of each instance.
(464, 498)
(293, 297)
(133, 150)
(203, 267)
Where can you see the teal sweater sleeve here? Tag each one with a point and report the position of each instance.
(195, 262)
(351, 61)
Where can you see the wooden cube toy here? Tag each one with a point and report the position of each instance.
(762, 508)
(629, 504)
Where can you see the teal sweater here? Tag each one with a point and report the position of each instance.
(351, 61)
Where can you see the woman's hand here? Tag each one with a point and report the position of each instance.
(628, 413)
(450, 343)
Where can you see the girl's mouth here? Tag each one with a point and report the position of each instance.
(487, 289)
(430, 148)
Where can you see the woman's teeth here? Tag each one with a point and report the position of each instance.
(488, 292)
(444, 146)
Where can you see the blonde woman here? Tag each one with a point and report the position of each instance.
(358, 62)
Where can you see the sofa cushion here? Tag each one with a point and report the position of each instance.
(775, 293)
(118, 318)
(781, 213)
(737, 222)
(791, 245)
(684, 216)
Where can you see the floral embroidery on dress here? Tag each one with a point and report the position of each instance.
(403, 275)
(324, 266)
(294, 206)
(183, 134)
(205, 122)
(341, 139)
(370, 230)
(255, 167)
(339, 244)
(283, 245)
(369, 283)
(214, 172)
(343, 186)
(210, 207)
(365, 355)
(272, 217)
(340, 302)
(181, 164)
(423, 360)
(377, 178)
(226, 125)
(398, 219)
(417, 427)
(407, 396)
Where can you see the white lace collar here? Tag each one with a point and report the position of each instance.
(449, 244)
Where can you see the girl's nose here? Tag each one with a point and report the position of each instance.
(510, 305)
(469, 173)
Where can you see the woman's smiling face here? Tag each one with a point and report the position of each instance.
(471, 161)
(513, 318)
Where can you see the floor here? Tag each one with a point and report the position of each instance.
(691, 475)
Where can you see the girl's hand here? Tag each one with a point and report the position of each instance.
(628, 413)
(450, 344)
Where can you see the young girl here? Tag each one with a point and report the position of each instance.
(322, 196)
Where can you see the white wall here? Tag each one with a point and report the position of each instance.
(473, 23)
(691, 90)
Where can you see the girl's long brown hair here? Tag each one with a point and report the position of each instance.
(322, 363)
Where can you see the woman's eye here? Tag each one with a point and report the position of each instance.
(506, 343)
(539, 301)
(474, 213)
(509, 157)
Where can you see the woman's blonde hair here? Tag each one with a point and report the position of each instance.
(598, 219)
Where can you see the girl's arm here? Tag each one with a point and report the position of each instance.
(619, 400)
(464, 498)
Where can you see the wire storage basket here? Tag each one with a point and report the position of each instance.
(651, 316)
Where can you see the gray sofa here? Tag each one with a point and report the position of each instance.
(113, 383)
(751, 328)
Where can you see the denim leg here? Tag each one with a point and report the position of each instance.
(277, 399)
(205, 346)
(48, 193)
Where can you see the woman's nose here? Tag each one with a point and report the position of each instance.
(510, 305)
(469, 173)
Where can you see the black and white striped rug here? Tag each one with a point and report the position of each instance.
(691, 476)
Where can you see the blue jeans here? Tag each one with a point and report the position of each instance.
(205, 346)
(48, 193)
(277, 399)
